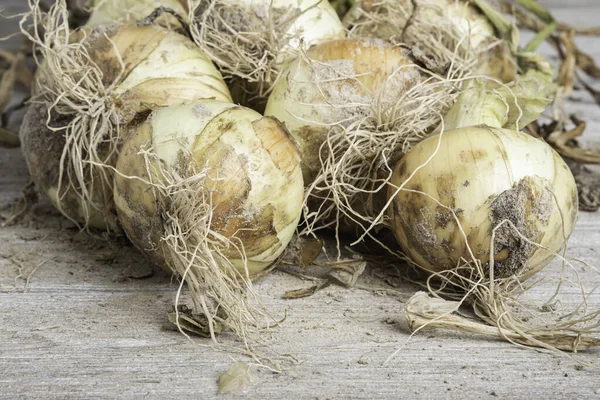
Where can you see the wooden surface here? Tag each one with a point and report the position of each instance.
(87, 328)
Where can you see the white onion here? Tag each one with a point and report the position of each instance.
(440, 33)
(252, 173)
(483, 176)
(339, 83)
(355, 106)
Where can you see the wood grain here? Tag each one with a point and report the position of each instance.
(85, 329)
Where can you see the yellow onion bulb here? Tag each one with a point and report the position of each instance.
(482, 181)
(252, 173)
(441, 33)
(93, 85)
(338, 82)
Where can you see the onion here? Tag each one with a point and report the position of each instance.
(478, 179)
(251, 40)
(213, 192)
(439, 32)
(355, 106)
(483, 209)
(336, 81)
(91, 85)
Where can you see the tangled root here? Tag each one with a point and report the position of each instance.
(248, 45)
(73, 87)
(185, 243)
(504, 308)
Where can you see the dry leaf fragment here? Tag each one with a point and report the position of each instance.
(306, 292)
(236, 378)
(9, 139)
(303, 251)
(193, 323)
(562, 141)
(22, 205)
(348, 272)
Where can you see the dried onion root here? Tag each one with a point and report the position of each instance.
(251, 40)
(212, 192)
(91, 84)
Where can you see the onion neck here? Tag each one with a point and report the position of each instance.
(476, 105)
(511, 106)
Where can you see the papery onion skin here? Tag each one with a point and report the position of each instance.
(308, 103)
(484, 175)
(255, 173)
(159, 67)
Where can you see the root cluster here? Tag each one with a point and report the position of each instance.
(72, 86)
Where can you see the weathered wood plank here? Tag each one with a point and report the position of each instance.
(83, 330)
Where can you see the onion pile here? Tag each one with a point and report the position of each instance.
(91, 85)
(133, 128)
(355, 106)
(412, 123)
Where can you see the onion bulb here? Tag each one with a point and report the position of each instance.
(486, 195)
(354, 106)
(252, 173)
(251, 40)
(213, 192)
(91, 85)
(440, 33)
(483, 209)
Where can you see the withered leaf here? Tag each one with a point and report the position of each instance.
(348, 272)
(309, 251)
(306, 292)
